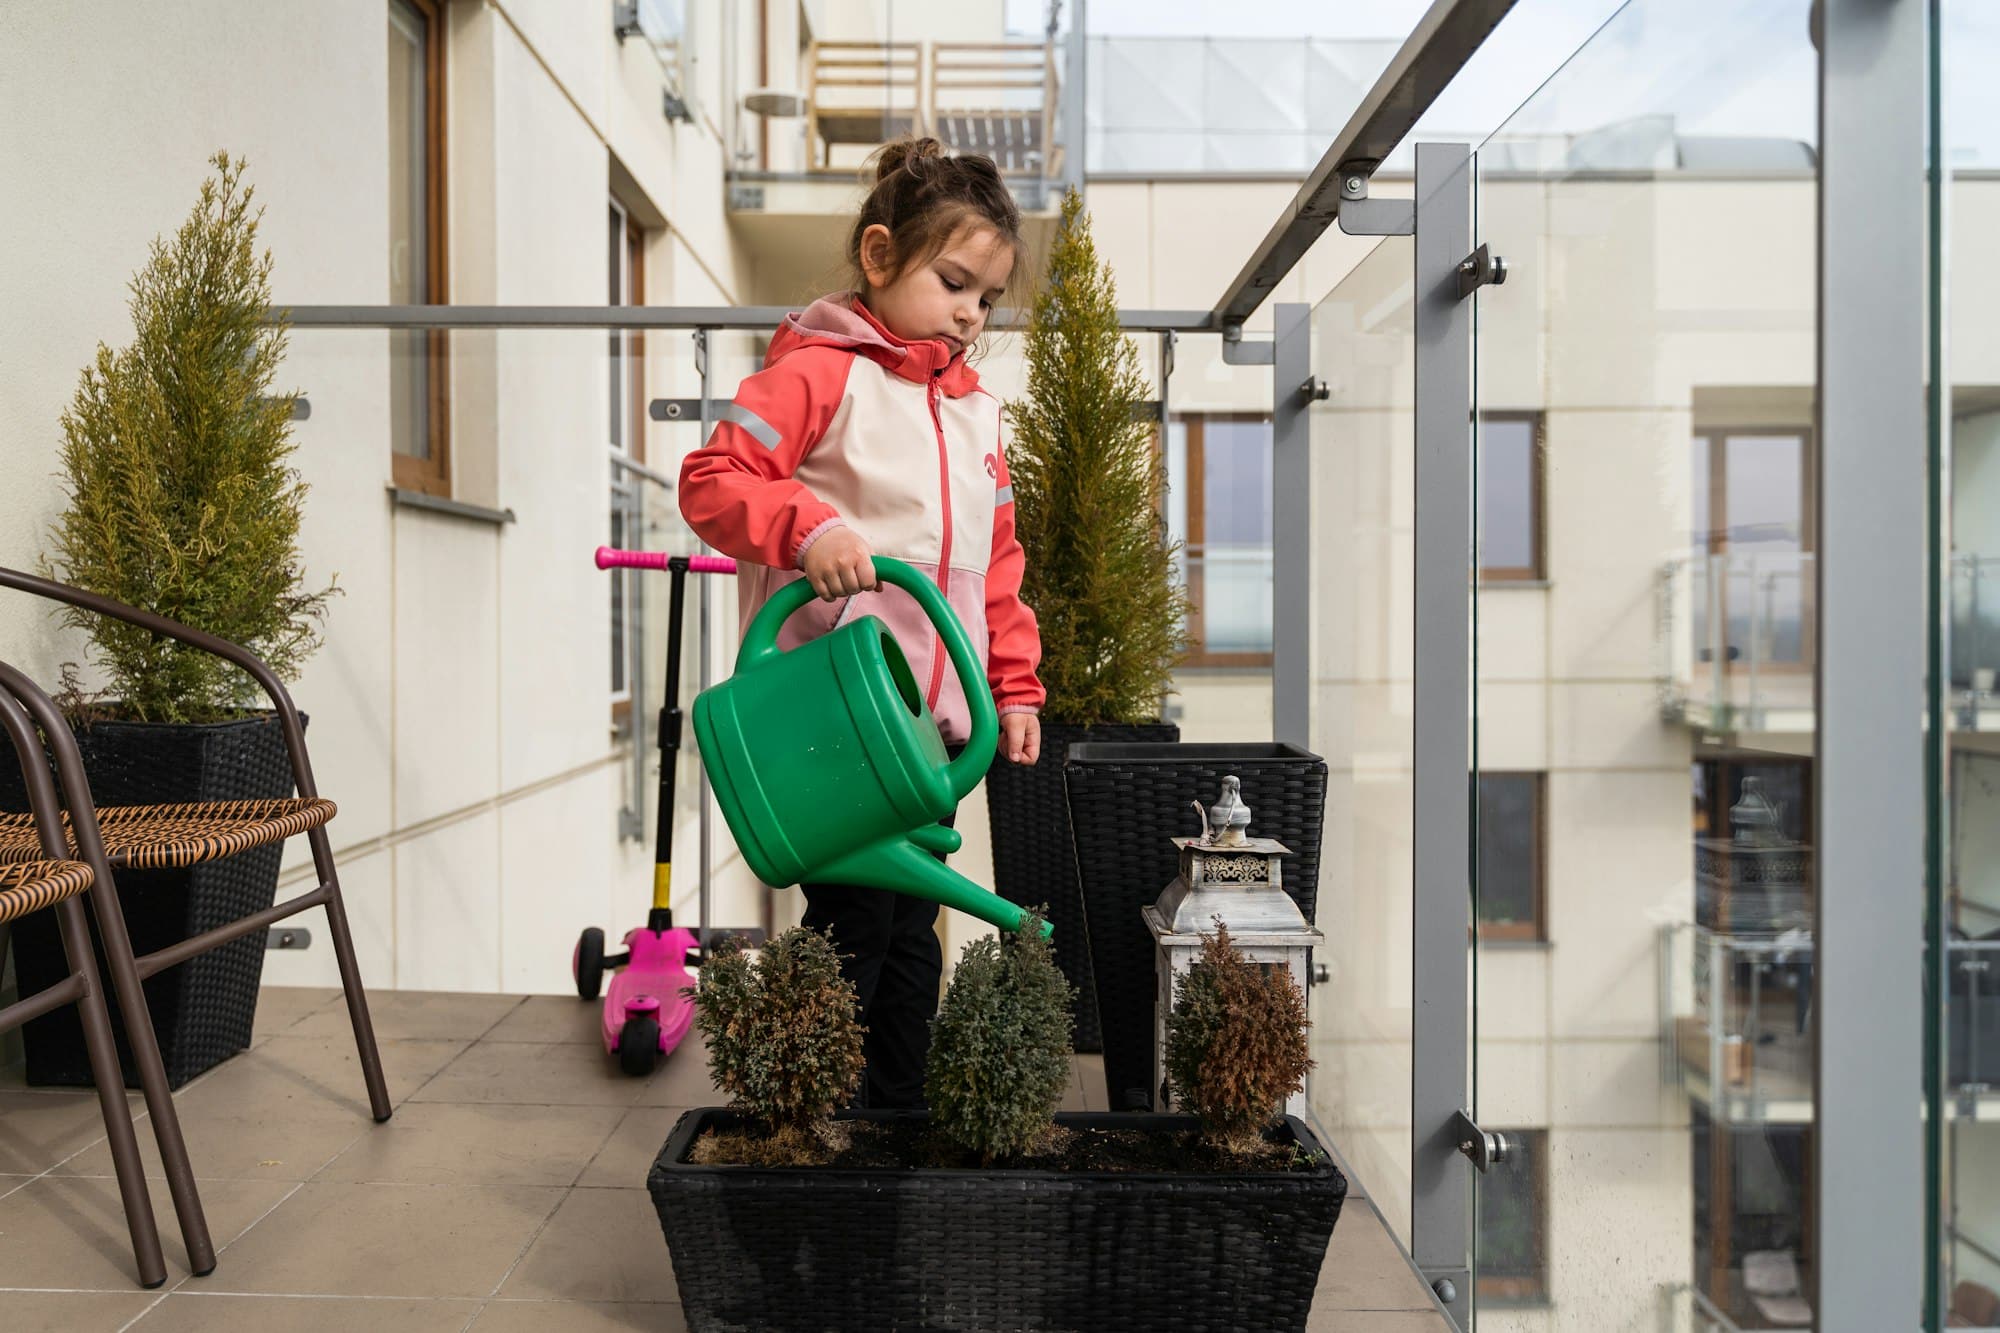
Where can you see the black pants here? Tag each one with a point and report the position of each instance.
(889, 950)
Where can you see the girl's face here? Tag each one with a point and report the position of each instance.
(947, 296)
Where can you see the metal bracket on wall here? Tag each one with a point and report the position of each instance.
(288, 937)
(1361, 216)
(1481, 268)
(1315, 389)
(1236, 352)
(683, 409)
(1483, 1149)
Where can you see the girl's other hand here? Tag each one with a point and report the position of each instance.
(1021, 737)
(839, 564)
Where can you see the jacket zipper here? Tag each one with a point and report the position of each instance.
(944, 546)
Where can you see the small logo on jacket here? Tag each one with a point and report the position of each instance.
(993, 466)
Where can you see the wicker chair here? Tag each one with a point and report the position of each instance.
(59, 879)
(156, 836)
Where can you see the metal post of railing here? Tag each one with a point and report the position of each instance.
(1869, 1181)
(705, 672)
(1291, 525)
(1440, 1031)
(1076, 62)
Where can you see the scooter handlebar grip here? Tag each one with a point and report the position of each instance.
(610, 557)
(711, 564)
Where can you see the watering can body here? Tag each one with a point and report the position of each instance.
(826, 761)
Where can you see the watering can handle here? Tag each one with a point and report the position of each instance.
(760, 642)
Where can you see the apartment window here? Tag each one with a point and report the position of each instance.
(1513, 1223)
(1511, 504)
(1751, 542)
(1512, 848)
(625, 259)
(419, 423)
(1219, 507)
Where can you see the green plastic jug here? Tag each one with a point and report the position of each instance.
(828, 765)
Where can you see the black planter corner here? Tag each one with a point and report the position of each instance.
(1126, 803)
(1033, 860)
(202, 1009)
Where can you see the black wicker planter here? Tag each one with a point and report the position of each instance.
(780, 1249)
(202, 1009)
(1032, 860)
(1126, 803)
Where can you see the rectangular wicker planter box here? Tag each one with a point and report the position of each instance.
(1126, 803)
(203, 1009)
(781, 1249)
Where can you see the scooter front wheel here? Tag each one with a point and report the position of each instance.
(639, 1046)
(586, 965)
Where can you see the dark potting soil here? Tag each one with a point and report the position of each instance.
(858, 1145)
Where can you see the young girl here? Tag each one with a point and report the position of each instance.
(866, 432)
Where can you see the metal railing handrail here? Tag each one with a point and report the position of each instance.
(1429, 59)
(748, 318)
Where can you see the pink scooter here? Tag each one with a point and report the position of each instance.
(647, 1011)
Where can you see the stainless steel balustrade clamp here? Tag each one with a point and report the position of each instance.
(1485, 1150)
(1481, 268)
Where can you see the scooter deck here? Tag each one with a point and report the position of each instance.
(657, 972)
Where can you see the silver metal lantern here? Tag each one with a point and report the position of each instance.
(1228, 876)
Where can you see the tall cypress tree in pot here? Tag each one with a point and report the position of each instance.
(176, 458)
(1089, 486)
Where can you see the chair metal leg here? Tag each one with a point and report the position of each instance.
(350, 977)
(103, 1051)
(152, 1069)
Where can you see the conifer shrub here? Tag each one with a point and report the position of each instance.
(784, 1038)
(1000, 1046)
(1236, 1044)
(1089, 499)
(176, 459)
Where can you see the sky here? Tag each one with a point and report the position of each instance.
(1717, 67)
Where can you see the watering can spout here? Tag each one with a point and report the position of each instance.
(906, 864)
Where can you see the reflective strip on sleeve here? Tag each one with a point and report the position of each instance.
(760, 430)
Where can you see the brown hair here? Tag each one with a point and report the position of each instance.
(923, 195)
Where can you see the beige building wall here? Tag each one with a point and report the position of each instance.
(460, 700)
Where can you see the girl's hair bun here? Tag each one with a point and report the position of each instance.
(912, 155)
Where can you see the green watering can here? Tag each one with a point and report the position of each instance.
(828, 765)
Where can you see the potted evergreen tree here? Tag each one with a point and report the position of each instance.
(992, 1210)
(1089, 491)
(182, 500)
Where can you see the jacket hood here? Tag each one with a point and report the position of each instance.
(843, 322)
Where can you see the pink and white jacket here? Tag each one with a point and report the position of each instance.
(848, 424)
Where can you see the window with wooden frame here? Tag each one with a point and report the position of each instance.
(1511, 501)
(1513, 854)
(419, 379)
(1751, 541)
(1513, 1256)
(625, 265)
(1219, 508)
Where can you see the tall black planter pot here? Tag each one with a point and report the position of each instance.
(202, 1009)
(1032, 860)
(1126, 804)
